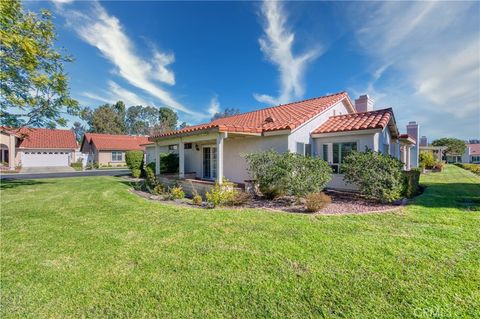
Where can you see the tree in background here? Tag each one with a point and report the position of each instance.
(107, 119)
(225, 113)
(139, 119)
(33, 84)
(454, 145)
(167, 121)
(79, 130)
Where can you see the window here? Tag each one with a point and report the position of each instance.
(117, 156)
(172, 147)
(187, 146)
(340, 152)
(304, 149)
(475, 159)
(325, 152)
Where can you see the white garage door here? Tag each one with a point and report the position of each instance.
(42, 159)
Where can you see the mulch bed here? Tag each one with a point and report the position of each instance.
(342, 203)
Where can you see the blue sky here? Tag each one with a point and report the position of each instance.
(421, 58)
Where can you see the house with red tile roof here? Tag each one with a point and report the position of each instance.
(473, 153)
(36, 147)
(109, 149)
(329, 127)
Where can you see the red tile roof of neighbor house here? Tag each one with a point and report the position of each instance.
(281, 117)
(43, 138)
(474, 149)
(109, 142)
(356, 121)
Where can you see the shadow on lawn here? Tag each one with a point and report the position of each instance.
(450, 195)
(16, 183)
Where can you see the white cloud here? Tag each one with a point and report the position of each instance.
(117, 93)
(427, 54)
(214, 106)
(276, 44)
(106, 33)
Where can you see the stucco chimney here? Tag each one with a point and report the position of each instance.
(364, 103)
(413, 131)
(423, 141)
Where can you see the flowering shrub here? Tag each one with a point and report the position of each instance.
(197, 200)
(221, 194)
(176, 192)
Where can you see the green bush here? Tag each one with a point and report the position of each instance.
(427, 159)
(197, 200)
(78, 166)
(134, 159)
(176, 192)
(377, 175)
(288, 173)
(411, 182)
(316, 201)
(158, 189)
(239, 198)
(474, 168)
(149, 173)
(221, 194)
(169, 163)
(136, 172)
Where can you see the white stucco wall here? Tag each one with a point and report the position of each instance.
(383, 140)
(235, 168)
(302, 134)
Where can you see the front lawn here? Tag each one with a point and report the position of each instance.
(86, 247)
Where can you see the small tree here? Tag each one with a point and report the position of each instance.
(427, 159)
(134, 160)
(287, 173)
(377, 175)
(454, 145)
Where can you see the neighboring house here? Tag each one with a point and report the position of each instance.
(37, 147)
(328, 127)
(108, 149)
(472, 154)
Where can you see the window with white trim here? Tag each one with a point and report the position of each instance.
(325, 152)
(304, 149)
(117, 156)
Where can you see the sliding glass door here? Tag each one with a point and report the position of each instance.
(209, 162)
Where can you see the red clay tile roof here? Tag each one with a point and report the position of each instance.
(282, 117)
(403, 136)
(356, 121)
(474, 149)
(110, 142)
(44, 138)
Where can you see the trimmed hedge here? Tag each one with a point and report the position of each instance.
(134, 159)
(474, 168)
(169, 163)
(411, 182)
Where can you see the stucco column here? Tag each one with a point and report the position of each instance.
(220, 138)
(11, 153)
(181, 160)
(157, 159)
(408, 157)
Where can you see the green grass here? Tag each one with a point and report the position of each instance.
(86, 247)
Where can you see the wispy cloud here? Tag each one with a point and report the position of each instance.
(214, 106)
(105, 32)
(277, 46)
(117, 93)
(427, 52)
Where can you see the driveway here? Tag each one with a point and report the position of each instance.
(51, 169)
(109, 172)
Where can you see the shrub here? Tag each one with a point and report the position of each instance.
(411, 182)
(134, 160)
(426, 159)
(438, 166)
(239, 198)
(377, 175)
(197, 200)
(96, 165)
(158, 189)
(176, 192)
(78, 166)
(474, 168)
(288, 173)
(149, 172)
(316, 201)
(169, 163)
(221, 194)
(136, 172)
